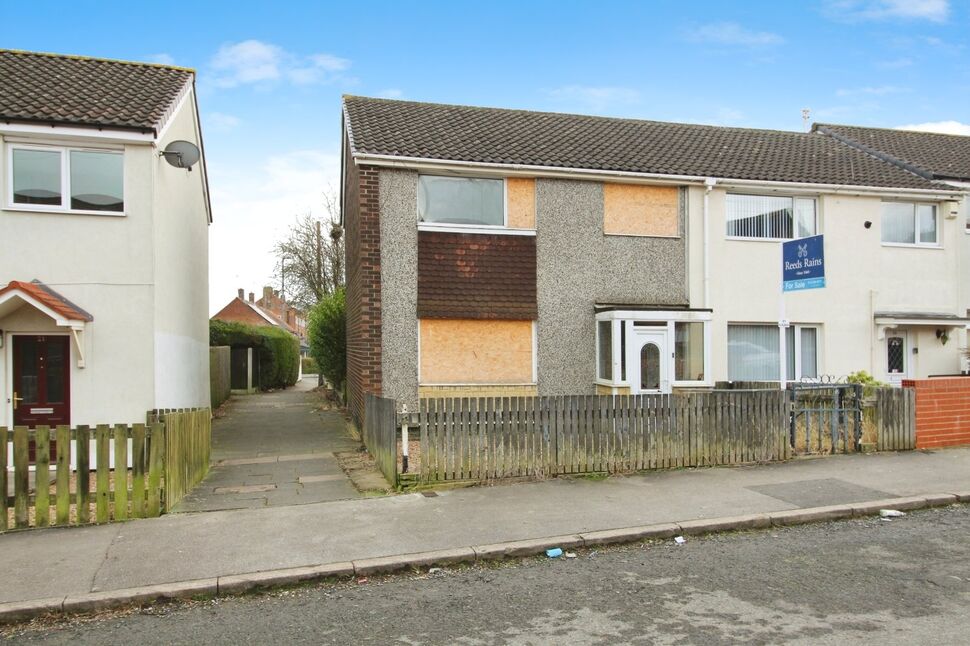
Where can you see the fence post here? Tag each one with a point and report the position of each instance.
(3, 478)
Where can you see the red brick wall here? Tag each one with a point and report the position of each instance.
(239, 312)
(363, 265)
(942, 411)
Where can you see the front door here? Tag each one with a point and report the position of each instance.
(41, 380)
(897, 357)
(649, 361)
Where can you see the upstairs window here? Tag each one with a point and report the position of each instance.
(770, 217)
(908, 223)
(66, 179)
(461, 201)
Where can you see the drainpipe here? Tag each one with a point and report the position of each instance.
(708, 186)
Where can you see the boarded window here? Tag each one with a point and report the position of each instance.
(629, 209)
(521, 202)
(463, 351)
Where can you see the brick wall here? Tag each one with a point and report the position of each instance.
(942, 411)
(240, 312)
(363, 268)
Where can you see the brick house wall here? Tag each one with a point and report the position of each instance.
(361, 213)
(240, 312)
(942, 411)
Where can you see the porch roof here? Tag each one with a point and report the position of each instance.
(938, 319)
(43, 298)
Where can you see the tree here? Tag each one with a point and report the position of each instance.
(310, 258)
(327, 331)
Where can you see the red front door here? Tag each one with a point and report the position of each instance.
(41, 380)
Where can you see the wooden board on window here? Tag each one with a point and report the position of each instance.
(631, 209)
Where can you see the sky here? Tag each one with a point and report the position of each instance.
(271, 76)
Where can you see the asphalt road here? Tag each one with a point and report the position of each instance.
(906, 581)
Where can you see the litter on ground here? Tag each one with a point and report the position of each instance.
(891, 513)
(554, 552)
(680, 540)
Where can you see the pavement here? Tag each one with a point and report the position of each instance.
(273, 449)
(91, 567)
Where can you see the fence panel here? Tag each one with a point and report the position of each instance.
(188, 441)
(895, 419)
(495, 437)
(380, 437)
(43, 496)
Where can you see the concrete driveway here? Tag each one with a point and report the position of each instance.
(274, 449)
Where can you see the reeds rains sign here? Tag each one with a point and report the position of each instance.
(803, 264)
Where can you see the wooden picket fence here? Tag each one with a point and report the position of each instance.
(380, 434)
(91, 479)
(491, 438)
(895, 419)
(74, 499)
(188, 440)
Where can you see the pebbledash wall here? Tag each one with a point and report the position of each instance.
(942, 412)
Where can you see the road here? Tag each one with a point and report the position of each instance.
(905, 581)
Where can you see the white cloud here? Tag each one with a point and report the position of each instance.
(880, 90)
(896, 64)
(731, 33)
(254, 61)
(945, 127)
(597, 99)
(852, 10)
(390, 93)
(221, 120)
(161, 59)
(253, 208)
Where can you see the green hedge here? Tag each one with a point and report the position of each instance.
(310, 366)
(277, 351)
(327, 330)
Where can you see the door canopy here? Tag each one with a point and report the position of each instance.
(63, 312)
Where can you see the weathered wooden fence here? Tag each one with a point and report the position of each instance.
(380, 434)
(895, 419)
(491, 438)
(113, 495)
(188, 439)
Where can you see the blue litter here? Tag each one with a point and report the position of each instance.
(555, 552)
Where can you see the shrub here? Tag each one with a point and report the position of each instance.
(869, 383)
(327, 330)
(310, 366)
(277, 351)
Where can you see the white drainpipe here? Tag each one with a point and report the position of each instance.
(708, 186)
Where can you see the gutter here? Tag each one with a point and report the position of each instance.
(441, 165)
(59, 123)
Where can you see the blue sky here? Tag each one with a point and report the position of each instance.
(270, 75)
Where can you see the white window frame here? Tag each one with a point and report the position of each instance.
(65, 153)
(473, 228)
(626, 318)
(796, 349)
(792, 197)
(910, 245)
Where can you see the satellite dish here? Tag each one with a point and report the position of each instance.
(181, 154)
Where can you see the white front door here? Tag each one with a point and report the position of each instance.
(650, 361)
(897, 356)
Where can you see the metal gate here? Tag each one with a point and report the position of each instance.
(825, 418)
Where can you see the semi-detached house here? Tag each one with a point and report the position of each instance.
(103, 243)
(495, 252)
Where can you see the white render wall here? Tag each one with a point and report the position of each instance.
(862, 277)
(181, 268)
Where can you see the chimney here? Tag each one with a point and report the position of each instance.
(252, 297)
(242, 293)
(267, 296)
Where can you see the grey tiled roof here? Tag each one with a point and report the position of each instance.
(72, 90)
(491, 135)
(931, 154)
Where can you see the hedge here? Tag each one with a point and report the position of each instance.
(327, 330)
(277, 351)
(310, 366)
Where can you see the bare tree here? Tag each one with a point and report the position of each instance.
(310, 258)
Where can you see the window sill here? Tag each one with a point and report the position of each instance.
(483, 229)
(26, 208)
(740, 239)
(906, 245)
(640, 235)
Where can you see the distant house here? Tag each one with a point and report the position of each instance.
(495, 252)
(271, 310)
(103, 244)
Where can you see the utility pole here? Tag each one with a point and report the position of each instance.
(320, 286)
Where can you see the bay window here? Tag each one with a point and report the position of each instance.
(909, 223)
(51, 178)
(770, 217)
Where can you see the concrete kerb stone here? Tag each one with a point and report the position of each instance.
(962, 496)
(729, 524)
(94, 601)
(239, 583)
(380, 564)
(630, 534)
(810, 515)
(14, 611)
(514, 549)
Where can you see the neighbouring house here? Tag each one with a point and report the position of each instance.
(510, 253)
(103, 243)
(293, 317)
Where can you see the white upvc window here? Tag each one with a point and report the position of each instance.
(753, 352)
(459, 203)
(770, 217)
(912, 224)
(65, 179)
